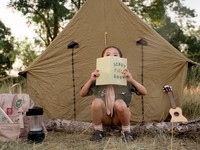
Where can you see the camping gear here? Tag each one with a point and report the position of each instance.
(55, 77)
(175, 112)
(36, 133)
(15, 106)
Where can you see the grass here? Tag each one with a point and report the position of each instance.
(146, 141)
(191, 103)
(65, 141)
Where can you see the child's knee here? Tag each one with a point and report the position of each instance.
(97, 104)
(120, 105)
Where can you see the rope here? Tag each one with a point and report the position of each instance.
(73, 80)
(142, 80)
(142, 42)
(72, 45)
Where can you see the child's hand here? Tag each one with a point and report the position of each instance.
(137, 85)
(94, 75)
(128, 75)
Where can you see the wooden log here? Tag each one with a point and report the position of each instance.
(69, 126)
(177, 129)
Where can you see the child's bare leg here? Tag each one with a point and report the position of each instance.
(99, 115)
(122, 115)
(99, 118)
(97, 109)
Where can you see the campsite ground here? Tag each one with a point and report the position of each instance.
(64, 141)
(146, 141)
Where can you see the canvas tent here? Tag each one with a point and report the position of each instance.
(55, 77)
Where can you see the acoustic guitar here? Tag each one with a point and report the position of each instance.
(175, 112)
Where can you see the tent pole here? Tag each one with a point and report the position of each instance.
(143, 43)
(73, 45)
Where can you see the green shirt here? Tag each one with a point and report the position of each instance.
(121, 92)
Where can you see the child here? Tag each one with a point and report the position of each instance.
(111, 105)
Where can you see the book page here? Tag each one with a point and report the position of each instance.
(110, 69)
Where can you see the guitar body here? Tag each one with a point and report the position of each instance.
(176, 115)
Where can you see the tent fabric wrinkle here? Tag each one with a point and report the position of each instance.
(54, 84)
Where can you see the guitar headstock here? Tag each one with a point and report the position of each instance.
(167, 88)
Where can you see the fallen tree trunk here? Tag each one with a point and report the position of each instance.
(176, 129)
(69, 126)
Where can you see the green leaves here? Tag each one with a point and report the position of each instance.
(7, 55)
(46, 15)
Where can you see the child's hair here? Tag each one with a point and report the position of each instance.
(120, 53)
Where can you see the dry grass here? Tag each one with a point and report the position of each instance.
(64, 141)
(191, 103)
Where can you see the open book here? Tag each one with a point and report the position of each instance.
(110, 69)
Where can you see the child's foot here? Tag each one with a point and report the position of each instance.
(97, 136)
(127, 137)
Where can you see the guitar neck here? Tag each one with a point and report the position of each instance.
(171, 99)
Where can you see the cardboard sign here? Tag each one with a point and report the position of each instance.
(110, 69)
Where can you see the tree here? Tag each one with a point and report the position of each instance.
(158, 15)
(25, 52)
(78, 3)
(7, 54)
(47, 15)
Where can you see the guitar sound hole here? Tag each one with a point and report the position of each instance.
(176, 114)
